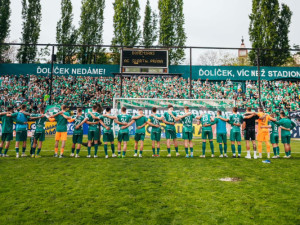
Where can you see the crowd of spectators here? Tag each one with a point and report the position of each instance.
(87, 91)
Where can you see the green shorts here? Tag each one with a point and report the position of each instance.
(274, 138)
(93, 135)
(235, 136)
(39, 136)
(21, 135)
(108, 137)
(171, 133)
(139, 137)
(155, 136)
(207, 134)
(77, 138)
(222, 138)
(7, 137)
(187, 135)
(123, 137)
(286, 139)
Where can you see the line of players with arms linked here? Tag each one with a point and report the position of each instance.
(239, 124)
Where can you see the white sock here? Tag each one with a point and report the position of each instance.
(254, 152)
(248, 152)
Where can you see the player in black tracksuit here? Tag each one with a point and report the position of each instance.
(249, 131)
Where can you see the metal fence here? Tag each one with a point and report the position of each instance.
(214, 59)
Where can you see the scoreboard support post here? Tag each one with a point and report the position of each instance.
(191, 73)
(258, 74)
(121, 94)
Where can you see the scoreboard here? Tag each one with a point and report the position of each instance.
(144, 58)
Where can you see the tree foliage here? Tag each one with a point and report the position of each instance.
(4, 25)
(269, 28)
(66, 33)
(126, 28)
(91, 32)
(171, 31)
(149, 26)
(31, 15)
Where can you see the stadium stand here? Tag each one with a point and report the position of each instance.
(86, 91)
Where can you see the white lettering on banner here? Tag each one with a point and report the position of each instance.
(71, 71)
(216, 72)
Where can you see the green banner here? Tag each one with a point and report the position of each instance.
(59, 69)
(237, 73)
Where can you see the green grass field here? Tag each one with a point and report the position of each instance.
(148, 190)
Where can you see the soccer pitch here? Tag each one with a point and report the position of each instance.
(149, 190)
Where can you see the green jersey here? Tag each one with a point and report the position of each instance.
(205, 120)
(139, 122)
(62, 123)
(286, 123)
(124, 118)
(274, 128)
(40, 123)
(93, 127)
(7, 124)
(78, 120)
(170, 119)
(155, 122)
(238, 119)
(108, 122)
(188, 123)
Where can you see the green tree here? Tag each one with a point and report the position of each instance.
(91, 32)
(4, 24)
(149, 27)
(66, 33)
(269, 28)
(171, 31)
(283, 31)
(31, 14)
(126, 29)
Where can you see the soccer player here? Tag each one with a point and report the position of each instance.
(287, 125)
(93, 132)
(170, 118)
(155, 131)
(78, 120)
(221, 133)
(187, 131)
(39, 134)
(7, 131)
(123, 134)
(249, 131)
(263, 134)
(141, 121)
(61, 129)
(206, 121)
(274, 137)
(235, 120)
(21, 118)
(108, 133)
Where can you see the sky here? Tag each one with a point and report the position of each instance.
(210, 23)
